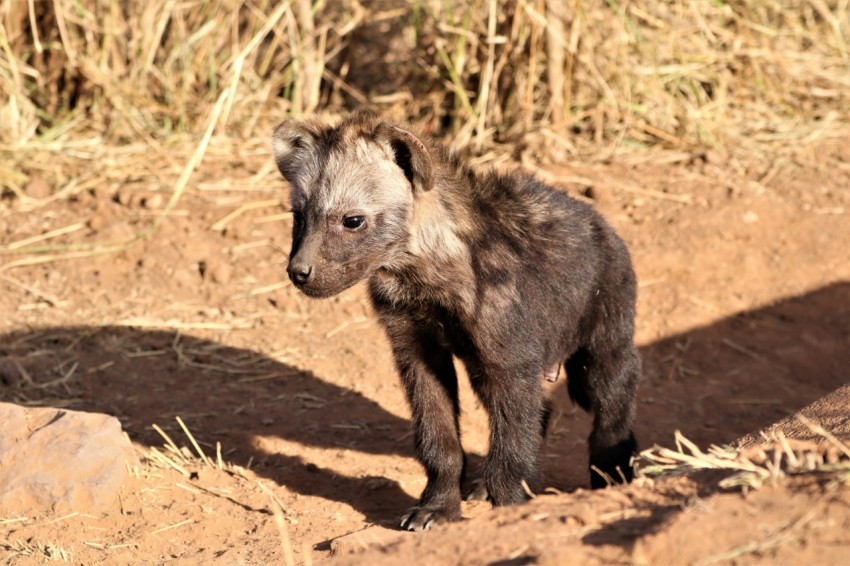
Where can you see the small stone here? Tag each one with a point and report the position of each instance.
(54, 277)
(99, 221)
(136, 200)
(183, 277)
(37, 188)
(101, 193)
(751, 217)
(714, 157)
(217, 271)
(125, 196)
(596, 193)
(139, 199)
(151, 201)
(61, 461)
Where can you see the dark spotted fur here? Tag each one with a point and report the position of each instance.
(498, 270)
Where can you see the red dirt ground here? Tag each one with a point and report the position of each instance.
(744, 318)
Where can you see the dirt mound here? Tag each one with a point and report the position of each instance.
(677, 519)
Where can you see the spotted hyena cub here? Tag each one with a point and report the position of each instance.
(499, 270)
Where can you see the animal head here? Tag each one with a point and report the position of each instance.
(353, 191)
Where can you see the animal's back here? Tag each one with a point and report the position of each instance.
(540, 255)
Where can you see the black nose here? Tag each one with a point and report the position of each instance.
(300, 272)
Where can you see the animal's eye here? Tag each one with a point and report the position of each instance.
(354, 222)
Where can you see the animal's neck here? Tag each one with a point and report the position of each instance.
(435, 264)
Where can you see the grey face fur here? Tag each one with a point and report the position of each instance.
(352, 198)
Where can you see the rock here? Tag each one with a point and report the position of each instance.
(151, 201)
(99, 221)
(37, 188)
(102, 193)
(715, 157)
(124, 196)
(218, 271)
(183, 277)
(597, 193)
(132, 198)
(103, 216)
(61, 461)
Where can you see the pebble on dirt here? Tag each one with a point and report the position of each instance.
(37, 188)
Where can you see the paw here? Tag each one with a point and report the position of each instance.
(476, 490)
(613, 464)
(510, 494)
(423, 517)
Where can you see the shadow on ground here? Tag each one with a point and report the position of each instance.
(714, 384)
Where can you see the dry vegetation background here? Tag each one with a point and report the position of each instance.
(105, 91)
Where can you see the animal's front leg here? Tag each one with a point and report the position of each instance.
(430, 381)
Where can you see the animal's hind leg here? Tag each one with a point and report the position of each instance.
(516, 408)
(605, 382)
(474, 488)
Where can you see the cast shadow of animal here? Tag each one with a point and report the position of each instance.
(229, 395)
(714, 384)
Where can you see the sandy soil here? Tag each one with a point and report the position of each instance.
(744, 318)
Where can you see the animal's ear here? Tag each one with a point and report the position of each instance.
(291, 142)
(411, 155)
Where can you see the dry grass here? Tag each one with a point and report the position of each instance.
(167, 97)
(613, 73)
(37, 550)
(750, 468)
(181, 458)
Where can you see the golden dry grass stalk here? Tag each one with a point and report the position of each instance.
(639, 71)
(751, 467)
(165, 96)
